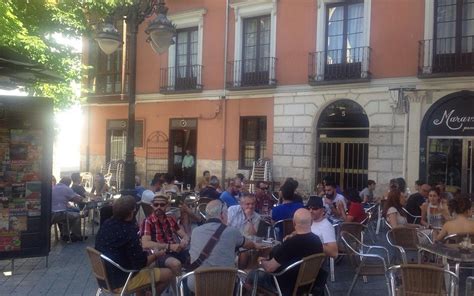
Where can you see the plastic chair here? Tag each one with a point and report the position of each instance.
(308, 271)
(211, 281)
(97, 261)
(422, 280)
(406, 239)
(364, 260)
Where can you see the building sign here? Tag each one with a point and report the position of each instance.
(453, 117)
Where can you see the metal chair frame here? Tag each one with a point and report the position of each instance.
(363, 255)
(240, 275)
(415, 218)
(403, 249)
(291, 266)
(453, 278)
(91, 252)
(286, 225)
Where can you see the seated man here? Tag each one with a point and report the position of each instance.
(62, 194)
(334, 202)
(203, 181)
(414, 203)
(301, 244)
(159, 232)
(244, 217)
(118, 239)
(210, 190)
(321, 226)
(232, 194)
(264, 199)
(222, 254)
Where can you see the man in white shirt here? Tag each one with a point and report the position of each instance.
(367, 194)
(244, 217)
(332, 199)
(321, 226)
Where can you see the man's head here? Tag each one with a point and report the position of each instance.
(188, 152)
(216, 209)
(76, 178)
(371, 185)
(240, 176)
(66, 181)
(418, 184)
(124, 208)
(247, 202)
(441, 187)
(214, 182)
(261, 186)
(160, 204)
(330, 190)
(206, 175)
(315, 206)
(302, 221)
(425, 190)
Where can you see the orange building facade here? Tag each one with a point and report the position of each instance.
(351, 89)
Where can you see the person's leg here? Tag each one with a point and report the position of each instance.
(75, 223)
(173, 264)
(143, 279)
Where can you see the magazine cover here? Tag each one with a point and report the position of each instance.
(10, 241)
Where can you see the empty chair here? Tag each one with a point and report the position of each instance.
(406, 239)
(211, 281)
(365, 261)
(423, 280)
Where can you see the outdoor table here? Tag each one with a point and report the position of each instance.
(449, 252)
(251, 257)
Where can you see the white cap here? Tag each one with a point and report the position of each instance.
(147, 196)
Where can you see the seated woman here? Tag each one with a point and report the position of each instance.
(393, 211)
(100, 186)
(461, 206)
(356, 211)
(434, 212)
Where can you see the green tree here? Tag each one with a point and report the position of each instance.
(31, 27)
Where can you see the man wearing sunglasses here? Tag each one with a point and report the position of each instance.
(160, 231)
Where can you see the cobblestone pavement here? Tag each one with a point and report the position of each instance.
(69, 273)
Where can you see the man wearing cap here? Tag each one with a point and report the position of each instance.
(159, 230)
(321, 226)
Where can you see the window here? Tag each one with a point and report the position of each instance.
(256, 58)
(186, 58)
(107, 69)
(253, 136)
(117, 138)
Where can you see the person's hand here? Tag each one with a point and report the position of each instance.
(158, 252)
(184, 242)
(175, 248)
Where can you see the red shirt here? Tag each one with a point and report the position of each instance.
(356, 210)
(160, 231)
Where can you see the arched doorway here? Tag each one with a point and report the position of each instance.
(343, 144)
(447, 142)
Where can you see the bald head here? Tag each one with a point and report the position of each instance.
(302, 220)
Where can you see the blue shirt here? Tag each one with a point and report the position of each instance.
(229, 199)
(119, 241)
(285, 211)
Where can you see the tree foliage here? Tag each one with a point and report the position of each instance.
(31, 27)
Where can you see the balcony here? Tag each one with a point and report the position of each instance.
(339, 66)
(181, 79)
(444, 57)
(251, 73)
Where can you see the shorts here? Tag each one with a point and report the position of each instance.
(182, 256)
(143, 279)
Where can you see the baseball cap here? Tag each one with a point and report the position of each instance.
(147, 196)
(315, 202)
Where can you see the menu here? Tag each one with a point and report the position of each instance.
(20, 185)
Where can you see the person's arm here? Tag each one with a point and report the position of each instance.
(424, 215)
(152, 258)
(331, 249)
(147, 243)
(184, 236)
(392, 219)
(442, 233)
(269, 265)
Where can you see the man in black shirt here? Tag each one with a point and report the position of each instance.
(300, 244)
(118, 239)
(210, 191)
(415, 201)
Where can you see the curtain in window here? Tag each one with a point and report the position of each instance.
(446, 27)
(355, 30)
(335, 29)
(256, 46)
(186, 53)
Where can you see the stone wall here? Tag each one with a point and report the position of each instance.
(295, 119)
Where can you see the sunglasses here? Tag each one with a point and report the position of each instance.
(159, 204)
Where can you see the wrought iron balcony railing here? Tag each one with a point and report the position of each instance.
(181, 78)
(251, 73)
(339, 65)
(446, 56)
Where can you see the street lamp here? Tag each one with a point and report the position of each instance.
(161, 32)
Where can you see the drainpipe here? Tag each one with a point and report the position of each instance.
(224, 96)
(88, 159)
(405, 145)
